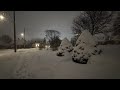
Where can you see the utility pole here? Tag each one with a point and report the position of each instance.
(15, 47)
(24, 38)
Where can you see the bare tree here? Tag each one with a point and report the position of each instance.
(94, 21)
(116, 25)
(52, 33)
(6, 39)
(53, 37)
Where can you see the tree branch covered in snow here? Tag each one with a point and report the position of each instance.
(94, 21)
(116, 25)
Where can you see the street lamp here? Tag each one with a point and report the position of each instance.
(22, 34)
(2, 17)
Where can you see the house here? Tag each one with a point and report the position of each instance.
(35, 45)
(20, 43)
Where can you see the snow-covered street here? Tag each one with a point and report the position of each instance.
(60, 44)
(44, 64)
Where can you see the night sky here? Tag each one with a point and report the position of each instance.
(36, 22)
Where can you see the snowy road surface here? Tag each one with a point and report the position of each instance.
(44, 64)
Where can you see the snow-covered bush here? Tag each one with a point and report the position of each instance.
(85, 47)
(64, 47)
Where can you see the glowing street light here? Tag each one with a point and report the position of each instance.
(2, 17)
(22, 34)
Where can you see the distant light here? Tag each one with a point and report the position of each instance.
(47, 46)
(2, 17)
(76, 34)
(22, 34)
(37, 45)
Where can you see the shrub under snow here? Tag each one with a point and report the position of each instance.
(64, 47)
(85, 47)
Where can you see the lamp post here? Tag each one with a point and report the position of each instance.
(24, 38)
(3, 18)
(23, 35)
(15, 47)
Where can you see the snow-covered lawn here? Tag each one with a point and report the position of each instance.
(44, 64)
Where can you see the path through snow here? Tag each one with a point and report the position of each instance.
(44, 64)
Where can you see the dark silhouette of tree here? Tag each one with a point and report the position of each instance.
(6, 39)
(42, 43)
(116, 25)
(53, 38)
(73, 40)
(94, 21)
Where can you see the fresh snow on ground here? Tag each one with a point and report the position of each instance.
(44, 64)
